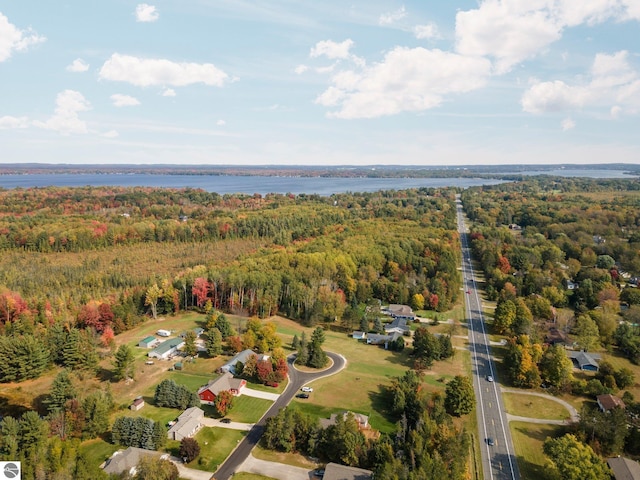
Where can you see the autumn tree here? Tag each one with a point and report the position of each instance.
(459, 396)
(223, 402)
(573, 460)
(504, 316)
(190, 347)
(189, 449)
(555, 367)
(153, 295)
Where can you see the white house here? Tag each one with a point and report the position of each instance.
(167, 348)
(189, 422)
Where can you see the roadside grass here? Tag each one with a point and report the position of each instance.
(250, 476)
(295, 459)
(528, 439)
(98, 449)
(534, 407)
(215, 446)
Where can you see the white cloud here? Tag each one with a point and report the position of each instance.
(512, 31)
(12, 38)
(404, 81)
(331, 49)
(300, 69)
(110, 134)
(120, 100)
(612, 83)
(221, 123)
(65, 119)
(78, 65)
(169, 92)
(13, 122)
(568, 124)
(428, 31)
(327, 69)
(392, 17)
(146, 13)
(144, 72)
(615, 112)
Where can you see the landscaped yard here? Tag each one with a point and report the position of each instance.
(215, 446)
(294, 459)
(534, 407)
(528, 439)
(248, 409)
(98, 449)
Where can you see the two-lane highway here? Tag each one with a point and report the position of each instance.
(498, 458)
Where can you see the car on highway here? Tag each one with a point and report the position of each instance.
(491, 442)
(302, 395)
(468, 292)
(489, 378)
(307, 389)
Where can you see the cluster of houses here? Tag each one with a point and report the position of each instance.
(401, 314)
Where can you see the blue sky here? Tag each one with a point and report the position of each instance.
(307, 82)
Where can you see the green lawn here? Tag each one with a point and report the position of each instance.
(534, 407)
(215, 446)
(98, 450)
(192, 381)
(528, 439)
(250, 476)
(266, 388)
(248, 409)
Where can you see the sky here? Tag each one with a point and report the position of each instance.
(309, 82)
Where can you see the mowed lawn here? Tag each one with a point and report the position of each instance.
(215, 446)
(528, 439)
(534, 407)
(370, 369)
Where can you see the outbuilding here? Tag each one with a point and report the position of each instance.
(149, 342)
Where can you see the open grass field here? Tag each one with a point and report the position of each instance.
(98, 449)
(528, 439)
(534, 407)
(294, 459)
(215, 446)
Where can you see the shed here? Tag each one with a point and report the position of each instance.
(137, 404)
(148, 342)
(178, 366)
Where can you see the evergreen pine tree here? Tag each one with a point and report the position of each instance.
(61, 390)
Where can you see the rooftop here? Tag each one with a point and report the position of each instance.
(624, 468)
(167, 345)
(335, 471)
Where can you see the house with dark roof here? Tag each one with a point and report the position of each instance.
(189, 422)
(167, 348)
(584, 360)
(335, 471)
(608, 402)
(399, 311)
(225, 382)
(127, 460)
(399, 324)
(624, 468)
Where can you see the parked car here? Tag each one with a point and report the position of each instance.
(225, 420)
(302, 395)
(307, 389)
(319, 472)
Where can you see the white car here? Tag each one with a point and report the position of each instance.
(307, 389)
(489, 378)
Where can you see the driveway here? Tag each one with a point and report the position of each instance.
(259, 394)
(277, 470)
(573, 413)
(190, 473)
(215, 422)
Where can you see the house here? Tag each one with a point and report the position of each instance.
(198, 331)
(210, 391)
(137, 404)
(584, 361)
(149, 342)
(335, 471)
(399, 311)
(607, 402)
(189, 422)
(399, 324)
(377, 339)
(571, 285)
(127, 460)
(167, 348)
(358, 335)
(363, 420)
(624, 468)
(514, 226)
(241, 357)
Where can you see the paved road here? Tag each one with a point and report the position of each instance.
(296, 380)
(573, 413)
(498, 460)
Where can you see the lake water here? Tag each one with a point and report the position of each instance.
(239, 184)
(249, 184)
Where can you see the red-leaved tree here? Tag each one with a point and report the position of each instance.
(223, 402)
(200, 290)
